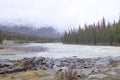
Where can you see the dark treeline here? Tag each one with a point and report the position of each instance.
(24, 38)
(100, 33)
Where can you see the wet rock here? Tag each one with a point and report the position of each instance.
(49, 63)
(98, 76)
(104, 69)
(19, 79)
(81, 76)
(88, 71)
(57, 69)
(14, 70)
(103, 62)
(116, 59)
(1, 72)
(37, 63)
(5, 63)
(1, 47)
(112, 73)
(19, 69)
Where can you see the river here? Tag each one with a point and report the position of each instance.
(59, 50)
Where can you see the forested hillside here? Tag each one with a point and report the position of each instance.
(45, 31)
(100, 33)
(24, 38)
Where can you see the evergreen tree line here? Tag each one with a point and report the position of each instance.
(100, 33)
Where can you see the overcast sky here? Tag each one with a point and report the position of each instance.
(62, 14)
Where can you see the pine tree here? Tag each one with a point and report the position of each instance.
(94, 34)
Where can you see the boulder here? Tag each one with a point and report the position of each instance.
(6, 63)
(102, 62)
(98, 76)
(116, 59)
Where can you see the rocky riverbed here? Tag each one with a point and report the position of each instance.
(107, 68)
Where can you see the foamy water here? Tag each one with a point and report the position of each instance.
(58, 50)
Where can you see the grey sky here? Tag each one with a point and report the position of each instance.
(62, 14)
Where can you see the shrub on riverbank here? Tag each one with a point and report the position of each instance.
(69, 74)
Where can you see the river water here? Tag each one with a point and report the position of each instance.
(59, 50)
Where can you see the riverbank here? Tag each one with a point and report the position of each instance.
(107, 68)
(97, 44)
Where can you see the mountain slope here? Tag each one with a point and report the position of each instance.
(46, 31)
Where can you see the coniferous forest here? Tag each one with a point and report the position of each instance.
(97, 33)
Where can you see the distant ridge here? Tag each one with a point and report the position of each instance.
(45, 31)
